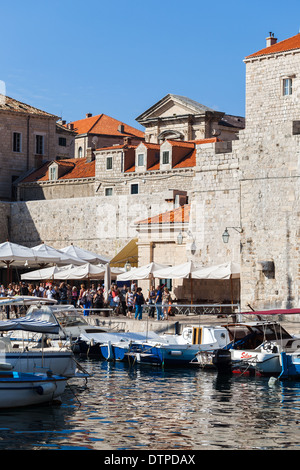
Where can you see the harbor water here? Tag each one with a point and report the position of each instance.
(148, 408)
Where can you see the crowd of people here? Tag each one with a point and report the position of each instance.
(128, 300)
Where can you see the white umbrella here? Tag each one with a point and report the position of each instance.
(87, 256)
(144, 272)
(181, 271)
(87, 271)
(46, 273)
(17, 254)
(57, 256)
(221, 271)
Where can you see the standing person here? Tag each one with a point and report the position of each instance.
(87, 302)
(81, 292)
(74, 296)
(123, 293)
(129, 302)
(24, 289)
(98, 299)
(166, 300)
(63, 293)
(151, 301)
(158, 302)
(138, 303)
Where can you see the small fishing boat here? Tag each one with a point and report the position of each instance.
(256, 347)
(36, 354)
(19, 389)
(290, 365)
(167, 349)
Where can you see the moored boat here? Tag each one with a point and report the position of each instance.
(19, 389)
(256, 348)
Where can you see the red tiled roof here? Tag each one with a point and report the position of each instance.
(105, 125)
(179, 215)
(74, 167)
(187, 161)
(282, 46)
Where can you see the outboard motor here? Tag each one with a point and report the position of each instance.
(221, 359)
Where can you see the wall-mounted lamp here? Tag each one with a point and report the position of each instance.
(225, 235)
(127, 266)
(193, 248)
(179, 238)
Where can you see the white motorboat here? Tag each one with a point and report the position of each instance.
(35, 354)
(256, 348)
(19, 389)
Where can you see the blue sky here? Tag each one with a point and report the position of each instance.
(119, 58)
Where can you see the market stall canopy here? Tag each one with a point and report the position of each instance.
(220, 271)
(181, 271)
(82, 254)
(129, 253)
(144, 272)
(87, 271)
(57, 256)
(44, 274)
(194, 271)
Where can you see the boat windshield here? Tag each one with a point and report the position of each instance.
(64, 315)
(255, 334)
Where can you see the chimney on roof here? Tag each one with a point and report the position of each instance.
(71, 126)
(88, 115)
(271, 40)
(121, 128)
(89, 155)
(127, 140)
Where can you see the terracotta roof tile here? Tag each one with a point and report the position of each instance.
(10, 104)
(74, 167)
(187, 161)
(282, 46)
(105, 125)
(179, 215)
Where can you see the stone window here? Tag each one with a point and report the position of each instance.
(17, 142)
(109, 163)
(108, 191)
(166, 158)
(53, 173)
(134, 188)
(287, 86)
(80, 152)
(141, 159)
(39, 144)
(62, 141)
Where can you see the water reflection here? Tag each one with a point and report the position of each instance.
(151, 408)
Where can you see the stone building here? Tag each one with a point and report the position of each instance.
(246, 186)
(28, 137)
(270, 190)
(181, 118)
(99, 131)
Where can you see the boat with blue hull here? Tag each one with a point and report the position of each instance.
(131, 352)
(167, 349)
(290, 364)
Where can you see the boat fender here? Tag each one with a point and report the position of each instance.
(176, 353)
(45, 389)
(273, 381)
